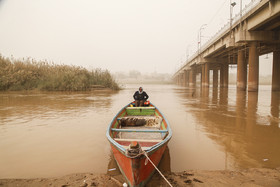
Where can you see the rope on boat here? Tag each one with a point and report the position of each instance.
(134, 151)
(157, 169)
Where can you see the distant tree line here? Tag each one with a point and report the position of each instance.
(134, 76)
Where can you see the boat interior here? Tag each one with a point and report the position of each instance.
(144, 125)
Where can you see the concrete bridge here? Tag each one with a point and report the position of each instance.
(256, 32)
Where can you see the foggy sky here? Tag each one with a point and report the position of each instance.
(118, 35)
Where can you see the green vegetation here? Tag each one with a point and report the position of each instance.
(28, 74)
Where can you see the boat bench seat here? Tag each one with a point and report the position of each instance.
(137, 140)
(141, 107)
(143, 148)
(138, 117)
(142, 142)
(138, 130)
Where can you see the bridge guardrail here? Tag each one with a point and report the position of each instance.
(223, 29)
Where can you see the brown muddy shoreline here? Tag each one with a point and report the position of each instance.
(247, 177)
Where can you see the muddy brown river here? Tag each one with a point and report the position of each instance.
(53, 134)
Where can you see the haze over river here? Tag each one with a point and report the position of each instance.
(53, 134)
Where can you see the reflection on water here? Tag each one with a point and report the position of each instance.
(275, 103)
(53, 134)
(241, 124)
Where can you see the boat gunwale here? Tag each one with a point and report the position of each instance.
(151, 149)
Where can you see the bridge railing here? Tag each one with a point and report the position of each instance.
(235, 19)
(223, 29)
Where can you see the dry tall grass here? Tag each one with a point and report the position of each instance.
(30, 75)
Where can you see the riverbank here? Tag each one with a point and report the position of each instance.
(248, 177)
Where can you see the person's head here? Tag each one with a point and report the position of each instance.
(140, 89)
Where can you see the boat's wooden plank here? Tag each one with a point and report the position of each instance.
(143, 148)
(140, 135)
(139, 117)
(138, 140)
(142, 144)
(141, 107)
(138, 130)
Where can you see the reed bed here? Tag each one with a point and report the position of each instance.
(29, 74)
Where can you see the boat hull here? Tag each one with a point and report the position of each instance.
(136, 172)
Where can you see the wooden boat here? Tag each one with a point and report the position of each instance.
(134, 133)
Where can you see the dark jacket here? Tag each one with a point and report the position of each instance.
(142, 96)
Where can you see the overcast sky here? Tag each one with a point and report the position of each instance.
(118, 35)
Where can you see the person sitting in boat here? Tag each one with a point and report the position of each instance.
(140, 97)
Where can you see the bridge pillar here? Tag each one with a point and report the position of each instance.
(241, 71)
(202, 81)
(189, 79)
(182, 79)
(186, 78)
(253, 78)
(192, 78)
(215, 78)
(276, 71)
(224, 75)
(221, 76)
(206, 75)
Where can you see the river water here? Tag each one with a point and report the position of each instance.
(53, 134)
